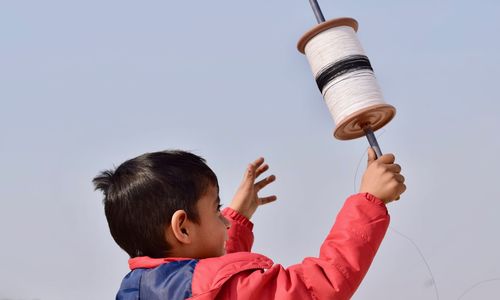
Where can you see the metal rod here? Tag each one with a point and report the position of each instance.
(317, 11)
(372, 140)
(373, 143)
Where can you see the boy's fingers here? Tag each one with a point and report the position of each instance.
(371, 155)
(249, 176)
(394, 168)
(259, 161)
(402, 189)
(261, 170)
(387, 158)
(268, 199)
(261, 184)
(251, 172)
(399, 178)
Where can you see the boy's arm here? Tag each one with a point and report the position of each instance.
(240, 235)
(344, 259)
(244, 205)
(346, 253)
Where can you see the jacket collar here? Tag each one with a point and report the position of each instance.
(148, 262)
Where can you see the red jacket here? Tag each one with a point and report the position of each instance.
(344, 259)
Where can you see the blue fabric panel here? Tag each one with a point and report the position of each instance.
(129, 289)
(167, 281)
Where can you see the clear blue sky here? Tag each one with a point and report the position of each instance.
(85, 85)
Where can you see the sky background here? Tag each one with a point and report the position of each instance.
(85, 85)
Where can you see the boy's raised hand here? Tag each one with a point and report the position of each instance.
(246, 199)
(383, 178)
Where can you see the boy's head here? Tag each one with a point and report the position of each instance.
(164, 204)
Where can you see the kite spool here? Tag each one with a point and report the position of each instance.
(345, 78)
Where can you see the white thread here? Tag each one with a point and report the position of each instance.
(350, 92)
(476, 285)
(436, 290)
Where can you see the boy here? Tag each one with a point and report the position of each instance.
(163, 209)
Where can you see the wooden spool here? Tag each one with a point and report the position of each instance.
(375, 116)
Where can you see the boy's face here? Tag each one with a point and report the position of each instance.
(211, 234)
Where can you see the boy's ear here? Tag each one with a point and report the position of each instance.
(181, 227)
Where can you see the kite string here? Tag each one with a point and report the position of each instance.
(472, 287)
(401, 234)
(475, 285)
(422, 257)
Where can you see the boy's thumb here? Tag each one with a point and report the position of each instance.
(371, 155)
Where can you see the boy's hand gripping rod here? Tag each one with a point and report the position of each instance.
(367, 129)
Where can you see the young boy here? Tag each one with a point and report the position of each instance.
(163, 209)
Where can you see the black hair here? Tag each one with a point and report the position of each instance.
(142, 194)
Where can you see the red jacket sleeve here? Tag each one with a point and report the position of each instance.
(344, 259)
(240, 235)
